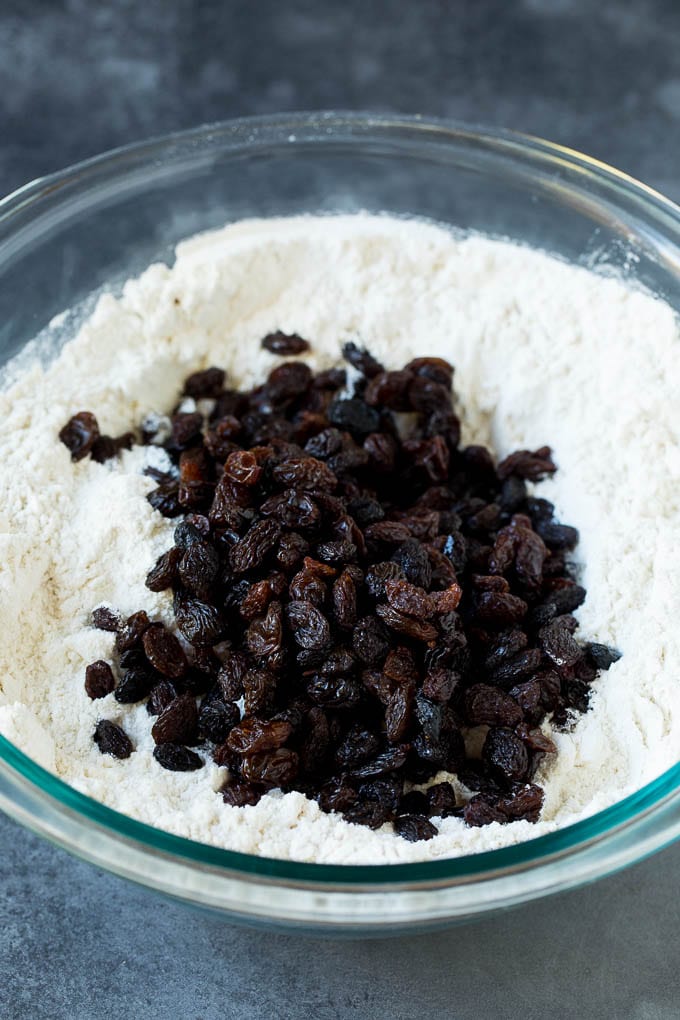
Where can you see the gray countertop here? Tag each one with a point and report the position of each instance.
(77, 78)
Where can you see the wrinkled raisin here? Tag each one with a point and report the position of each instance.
(112, 739)
(99, 679)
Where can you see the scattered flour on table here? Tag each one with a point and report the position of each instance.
(544, 353)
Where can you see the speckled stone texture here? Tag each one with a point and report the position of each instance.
(77, 77)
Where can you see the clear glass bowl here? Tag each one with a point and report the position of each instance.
(63, 237)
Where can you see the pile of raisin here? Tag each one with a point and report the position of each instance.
(356, 597)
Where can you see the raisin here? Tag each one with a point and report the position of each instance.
(359, 358)
(414, 562)
(419, 630)
(251, 550)
(379, 574)
(160, 697)
(291, 549)
(441, 800)
(345, 600)
(414, 828)
(308, 624)
(177, 723)
(382, 764)
(165, 499)
(370, 640)
(408, 598)
(177, 758)
(499, 609)
(439, 684)
(558, 643)
(354, 416)
(130, 634)
(398, 714)
(259, 688)
(198, 568)
(286, 344)
(505, 753)
(99, 679)
(197, 621)
(164, 572)
(135, 686)
(274, 768)
(232, 675)
(112, 739)
(602, 656)
(525, 464)
(253, 735)
(216, 718)
(265, 635)
(104, 618)
(334, 691)
(240, 794)
(164, 651)
(208, 383)
(489, 706)
(79, 434)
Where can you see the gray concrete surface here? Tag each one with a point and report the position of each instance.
(78, 77)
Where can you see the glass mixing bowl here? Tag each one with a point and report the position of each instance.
(65, 236)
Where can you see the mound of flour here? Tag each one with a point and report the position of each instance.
(544, 353)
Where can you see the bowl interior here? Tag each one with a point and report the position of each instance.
(64, 238)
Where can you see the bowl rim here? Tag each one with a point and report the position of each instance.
(317, 128)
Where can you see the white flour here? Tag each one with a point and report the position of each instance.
(544, 353)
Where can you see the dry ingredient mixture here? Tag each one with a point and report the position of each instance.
(360, 606)
(542, 351)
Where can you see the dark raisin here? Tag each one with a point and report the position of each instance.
(370, 640)
(177, 758)
(253, 735)
(165, 499)
(525, 464)
(164, 651)
(505, 753)
(558, 642)
(99, 679)
(160, 697)
(178, 722)
(602, 656)
(130, 634)
(186, 427)
(135, 685)
(240, 794)
(308, 624)
(232, 675)
(251, 550)
(208, 383)
(198, 569)
(489, 706)
(273, 768)
(104, 618)
(79, 434)
(354, 416)
(164, 572)
(398, 714)
(419, 630)
(359, 358)
(441, 800)
(112, 739)
(197, 621)
(334, 691)
(286, 344)
(414, 828)
(414, 562)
